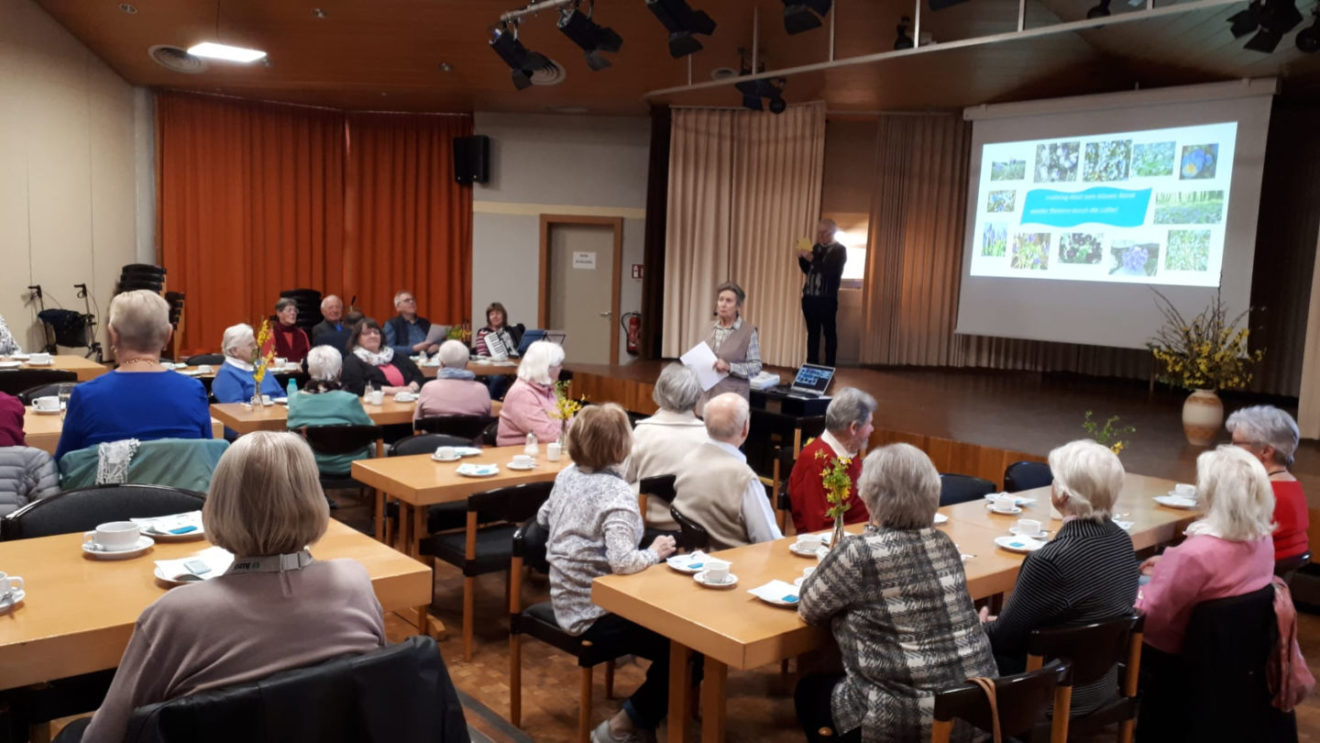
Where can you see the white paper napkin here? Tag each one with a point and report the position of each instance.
(775, 590)
(218, 559)
(690, 561)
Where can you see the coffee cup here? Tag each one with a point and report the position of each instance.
(447, 453)
(523, 460)
(280, 361)
(266, 400)
(113, 536)
(553, 450)
(1028, 528)
(717, 571)
(1184, 490)
(1005, 501)
(205, 369)
(49, 404)
(8, 585)
(376, 397)
(806, 572)
(39, 358)
(809, 542)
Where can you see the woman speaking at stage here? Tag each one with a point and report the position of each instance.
(735, 342)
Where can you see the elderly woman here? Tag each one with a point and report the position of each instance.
(848, 426)
(324, 403)
(372, 363)
(530, 403)
(275, 608)
(455, 390)
(235, 381)
(661, 441)
(141, 399)
(290, 340)
(1228, 551)
(8, 344)
(896, 600)
(735, 343)
(1085, 574)
(25, 473)
(497, 319)
(595, 529)
(1270, 435)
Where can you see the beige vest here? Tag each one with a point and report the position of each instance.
(734, 351)
(709, 490)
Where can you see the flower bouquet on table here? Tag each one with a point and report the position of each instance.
(265, 356)
(565, 407)
(1109, 433)
(838, 489)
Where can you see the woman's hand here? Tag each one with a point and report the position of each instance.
(412, 387)
(663, 546)
(1148, 565)
(721, 366)
(985, 615)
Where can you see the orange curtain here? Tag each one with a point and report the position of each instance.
(409, 224)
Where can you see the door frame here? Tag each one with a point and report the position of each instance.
(543, 305)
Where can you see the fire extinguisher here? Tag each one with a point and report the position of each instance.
(632, 324)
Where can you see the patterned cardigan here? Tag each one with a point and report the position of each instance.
(897, 603)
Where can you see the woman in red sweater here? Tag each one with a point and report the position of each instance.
(1270, 434)
(848, 426)
(290, 340)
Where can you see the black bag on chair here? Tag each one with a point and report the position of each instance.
(69, 327)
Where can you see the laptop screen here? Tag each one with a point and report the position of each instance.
(814, 379)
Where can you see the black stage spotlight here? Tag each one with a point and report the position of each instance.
(522, 62)
(754, 90)
(592, 38)
(903, 41)
(804, 15)
(1308, 39)
(1246, 21)
(1099, 11)
(1277, 17)
(682, 22)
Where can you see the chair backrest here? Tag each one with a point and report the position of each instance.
(205, 358)
(1287, 566)
(1020, 476)
(14, 382)
(401, 692)
(82, 510)
(660, 486)
(529, 543)
(785, 459)
(45, 390)
(512, 504)
(178, 463)
(1022, 699)
(955, 488)
(691, 536)
(340, 439)
(470, 427)
(1091, 648)
(425, 443)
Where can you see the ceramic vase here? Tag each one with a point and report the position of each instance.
(1202, 415)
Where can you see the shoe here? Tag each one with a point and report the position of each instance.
(602, 734)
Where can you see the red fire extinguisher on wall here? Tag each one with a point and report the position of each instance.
(632, 324)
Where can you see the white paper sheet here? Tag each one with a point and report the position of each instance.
(701, 360)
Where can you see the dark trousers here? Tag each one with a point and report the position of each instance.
(812, 699)
(648, 705)
(498, 384)
(820, 313)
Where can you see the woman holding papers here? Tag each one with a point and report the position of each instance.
(736, 346)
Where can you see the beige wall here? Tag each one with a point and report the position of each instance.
(69, 169)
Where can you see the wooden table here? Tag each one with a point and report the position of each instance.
(493, 369)
(80, 612)
(734, 629)
(244, 418)
(43, 429)
(85, 368)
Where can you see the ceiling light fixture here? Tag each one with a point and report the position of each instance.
(591, 37)
(682, 22)
(523, 63)
(804, 15)
(1277, 17)
(904, 41)
(212, 50)
(754, 90)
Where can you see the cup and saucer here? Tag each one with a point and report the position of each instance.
(48, 405)
(446, 454)
(716, 575)
(1004, 509)
(116, 540)
(807, 545)
(11, 591)
(1029, 529)
(521, 462)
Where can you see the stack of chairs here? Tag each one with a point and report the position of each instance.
(140, 276)
(176, 321)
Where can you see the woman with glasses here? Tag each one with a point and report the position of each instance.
(1270, 435)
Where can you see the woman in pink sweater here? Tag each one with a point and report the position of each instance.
(1228, 552)
(455, 390)
(530, 403)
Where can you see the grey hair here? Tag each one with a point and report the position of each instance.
(850, 405)
(900, 487)
(536, 363)
(727, 416)
(324, 363)
(141, 318)
(400, 294)
(453, 354)
(284, 303)
(1090, 475)
(235, 336)
(328, 298)
(1239, 501)
(1266, 424)
(677, 389)
(730, 286)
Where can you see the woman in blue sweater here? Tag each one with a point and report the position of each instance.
(235, 380)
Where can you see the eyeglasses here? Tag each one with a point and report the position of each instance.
(407, 300)
(1246, 444)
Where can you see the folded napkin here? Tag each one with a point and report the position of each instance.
(690, 561)
(180, 523)
(777, 591)
(218, 559)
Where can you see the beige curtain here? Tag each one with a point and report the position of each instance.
(1308, 400)
(744, 186)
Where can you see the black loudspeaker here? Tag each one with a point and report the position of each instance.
(472, 159)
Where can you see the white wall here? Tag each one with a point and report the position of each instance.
(68, 169)
(554, 164)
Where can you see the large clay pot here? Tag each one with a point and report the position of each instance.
(1203, 414)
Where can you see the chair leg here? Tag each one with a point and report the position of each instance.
(609, 679)
(1125, 730)
(515, 680)
(584, 706)
(39, 732)
(940, 730)
(469, 608)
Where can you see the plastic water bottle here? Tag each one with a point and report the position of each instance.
(532, 448)
(291, 389)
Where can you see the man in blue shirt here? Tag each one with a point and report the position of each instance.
(406, 332)
(332, 314)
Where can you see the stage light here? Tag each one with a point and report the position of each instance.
(1246, 21)
(682, 22)
(804, 15)
(1099, 11)
(1308, 39)
(523, 63)
(903, 41)
(1277, 18)
(771, 90)
(590, 36)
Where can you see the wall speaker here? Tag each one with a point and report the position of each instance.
(472, 159)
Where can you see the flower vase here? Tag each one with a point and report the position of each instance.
(255, 402)
(1202, 415)
(838, 532)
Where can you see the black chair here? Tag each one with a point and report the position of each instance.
(1022, 699)
(442, 517)
(634, 417)
(400, 693)
(956, 488)
(781, 472)
(45, 390)
(1287, 566)
(14, 382)
(470, 427)
(142, 269)
(1020, 476)
(660, 486)
(1093, 649)
(488, 549)
(205, 358)
(81, 510)
(334, 440)
(692, 536)
(538, 620)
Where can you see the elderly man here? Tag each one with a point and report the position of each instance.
(332, 319)
(716, 488)
(454, 391)
(406, 332)
(823, 266)
(661, 441)
(847, 428)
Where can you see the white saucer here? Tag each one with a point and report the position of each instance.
(940, 518)
(701, 578)
(1176, 501)
(15, 598)
(1040, 535)
(801, 552)
(190, 372)
(1019, 544)
(39, 411)
(513, 466)
(454, 458)
(160, 576)
(478, 470)
(1125, 525)
(682, 564)
(41, 363)
(143, 544)
(1005, 512)
(405, 397)
(20, 356)
(10, 364)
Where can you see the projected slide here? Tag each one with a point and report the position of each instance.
(1135, 207)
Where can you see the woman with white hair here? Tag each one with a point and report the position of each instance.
(1085, 574)
(1228, 551)
(275, 608)
(455, 390)
(1271, 435)
(324, 403)
(661, 441)
(896, 599)
(235, 380)
(141, 399)
(530, 403)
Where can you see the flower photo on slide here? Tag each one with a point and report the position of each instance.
(1198, 162)
(1056, 162)
(1154, 159)
(994, 241)
(1107, 161)
(1080, 247)
(1189, 250)
(1134, 259)
(1001, 201)
(1031, 251)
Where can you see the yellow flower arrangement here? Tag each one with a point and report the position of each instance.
(1108, 434)
(565, 406)
(838, 485)
(1208, 353)
(265, 357)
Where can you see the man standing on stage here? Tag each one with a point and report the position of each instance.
(823, 265)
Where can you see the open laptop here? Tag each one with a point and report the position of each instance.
(532, 335)
(811, 381)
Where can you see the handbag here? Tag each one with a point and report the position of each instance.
(1286, 673)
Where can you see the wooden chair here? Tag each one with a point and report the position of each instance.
(1093, 649)
(660, 486)
(1022, 699)
(955, 488)
(692, 536)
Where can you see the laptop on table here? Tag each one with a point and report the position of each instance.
(812, 381)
